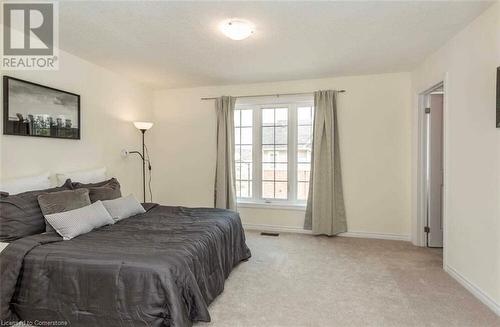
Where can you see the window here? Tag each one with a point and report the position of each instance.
(304, 149)
(243, 123)
(273, 143)
(274, 129)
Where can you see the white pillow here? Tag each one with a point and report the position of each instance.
(72, 223)
(83, 176)
(123, 207)
(24, 184)
(3, 245)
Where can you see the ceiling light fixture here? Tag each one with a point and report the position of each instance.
(236, 29)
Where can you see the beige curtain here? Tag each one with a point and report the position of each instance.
(325, 213)
(225, 189)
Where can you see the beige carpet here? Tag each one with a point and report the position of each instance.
(302, 280)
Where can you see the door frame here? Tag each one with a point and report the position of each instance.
(419, 237)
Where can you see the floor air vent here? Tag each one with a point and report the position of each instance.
(269, 234)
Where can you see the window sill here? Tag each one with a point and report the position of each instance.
(274, 206)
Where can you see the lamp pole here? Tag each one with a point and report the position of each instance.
(143, 167)
(143, 127)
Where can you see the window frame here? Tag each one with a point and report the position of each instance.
(292, 151)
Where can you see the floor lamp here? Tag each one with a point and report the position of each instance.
(143, 127)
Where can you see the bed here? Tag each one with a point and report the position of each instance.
(160, 268)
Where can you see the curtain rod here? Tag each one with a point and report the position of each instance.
(270, 95)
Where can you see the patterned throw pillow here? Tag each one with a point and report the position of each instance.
(70, 224)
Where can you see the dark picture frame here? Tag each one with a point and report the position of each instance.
(31, 109)
(498, 97)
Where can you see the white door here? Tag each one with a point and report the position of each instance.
(434, 114)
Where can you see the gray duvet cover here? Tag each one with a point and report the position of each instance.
(160, 268)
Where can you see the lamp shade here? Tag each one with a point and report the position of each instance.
(143, 125)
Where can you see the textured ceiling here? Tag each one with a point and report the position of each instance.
(177, 44)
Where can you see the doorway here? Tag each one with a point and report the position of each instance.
(432, 136)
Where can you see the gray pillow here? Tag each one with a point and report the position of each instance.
(70, 224)
(62, 201)
(122, 208)
(106, 190)
(20, 214)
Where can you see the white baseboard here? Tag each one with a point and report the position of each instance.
(476, 291)
(380, 236)
(275, 228)
(287, 229)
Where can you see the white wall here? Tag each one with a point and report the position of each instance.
(108, 105)
(374, 119)
(467, 64)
